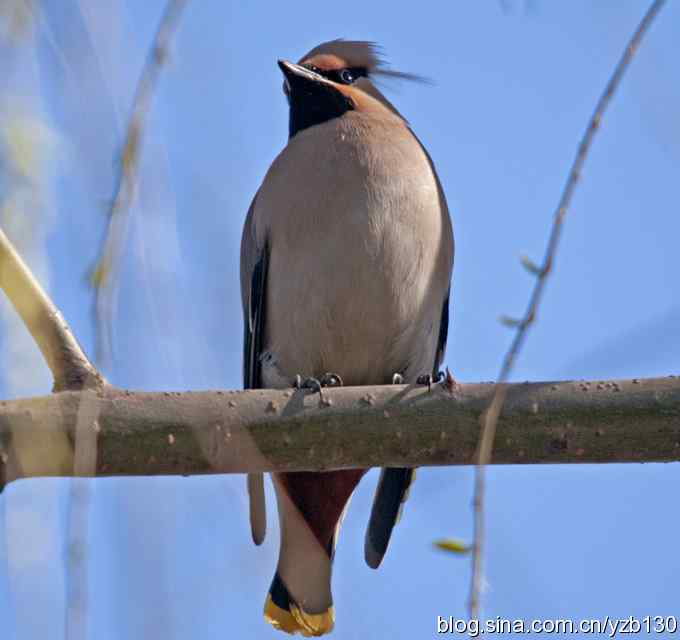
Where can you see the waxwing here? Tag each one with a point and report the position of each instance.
(346, 261)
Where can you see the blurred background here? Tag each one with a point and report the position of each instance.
(514, 85)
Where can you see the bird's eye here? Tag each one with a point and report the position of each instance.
(347, 76)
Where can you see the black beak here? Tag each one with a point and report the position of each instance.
(298, 76)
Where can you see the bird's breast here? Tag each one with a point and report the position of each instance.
(355, 228)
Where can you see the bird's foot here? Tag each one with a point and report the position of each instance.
(307, 383)
(428, 379)
(331, 380)
(317, 384)
(397, 378)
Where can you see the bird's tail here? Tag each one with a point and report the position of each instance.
(311, 507)
(283, 613)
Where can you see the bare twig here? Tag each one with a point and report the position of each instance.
(490, 416)
(104, 273)
(70, 367)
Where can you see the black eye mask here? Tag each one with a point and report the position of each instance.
(348, 75)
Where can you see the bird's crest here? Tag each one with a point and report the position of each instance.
(341, 54)
(364, 59)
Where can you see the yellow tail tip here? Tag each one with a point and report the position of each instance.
(279, 618)
(313, 624)
(297, 620)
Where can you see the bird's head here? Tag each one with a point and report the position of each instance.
(334, 78)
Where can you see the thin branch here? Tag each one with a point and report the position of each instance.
(103, 275)
(70, 366)
(351, 427)
(492, 414)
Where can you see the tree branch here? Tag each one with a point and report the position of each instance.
(285, 430)
(69, 365)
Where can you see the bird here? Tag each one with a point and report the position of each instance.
(346, 263)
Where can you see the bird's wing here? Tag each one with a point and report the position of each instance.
(254, 266)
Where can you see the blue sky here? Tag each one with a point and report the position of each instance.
(515, 83)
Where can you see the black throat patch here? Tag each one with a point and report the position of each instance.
(314, 103)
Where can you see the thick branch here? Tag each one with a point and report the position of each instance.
(69, 365)
(265, 430)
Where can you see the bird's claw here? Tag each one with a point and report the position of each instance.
(317, 384)
(428, 379)
(308, 383)
(331, 380)
(397, 378)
